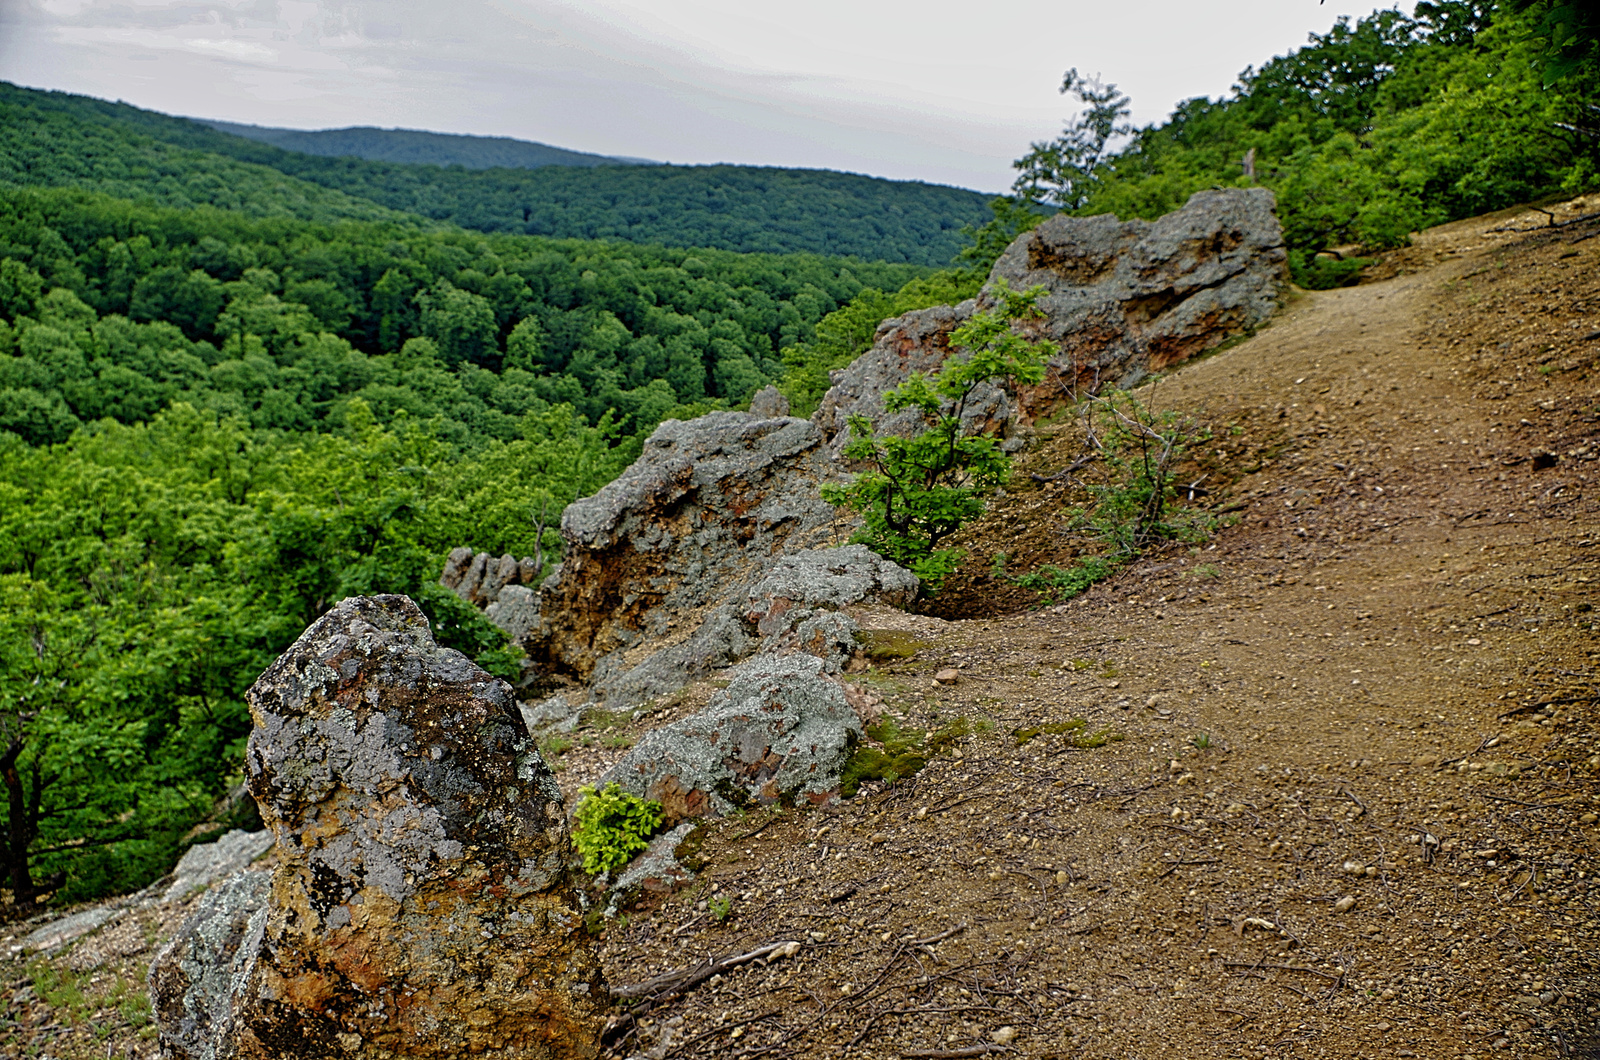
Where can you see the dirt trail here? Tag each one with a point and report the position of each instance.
(1351, 809)
(1353, 814)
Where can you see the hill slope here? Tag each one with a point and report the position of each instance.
(416, 146)
(58, 138)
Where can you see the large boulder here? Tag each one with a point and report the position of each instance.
(653, 556)
(1122, 299)
(781, 732)
(421, 904)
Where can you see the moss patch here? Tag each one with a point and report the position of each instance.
(1073, 731)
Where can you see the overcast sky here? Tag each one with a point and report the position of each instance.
(933, 90)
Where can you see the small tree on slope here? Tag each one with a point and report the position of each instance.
(919, 489)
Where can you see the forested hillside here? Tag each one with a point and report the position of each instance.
(214, 425)
(238, 383)
(414, 146)
(1372, 131)
(55, 139)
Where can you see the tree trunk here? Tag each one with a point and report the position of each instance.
(21, 828)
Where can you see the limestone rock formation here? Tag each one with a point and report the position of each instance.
(780, 732)
(1123, 298)
(421, 905)
(655, 560)
(482, 579)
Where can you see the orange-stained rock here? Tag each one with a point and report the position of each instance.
(421, 905)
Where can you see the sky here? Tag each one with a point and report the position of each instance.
(931, 90)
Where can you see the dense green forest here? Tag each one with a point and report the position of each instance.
(230, 396)
(414, 146)
(56, 139)
(212, 426)
(1373, 131)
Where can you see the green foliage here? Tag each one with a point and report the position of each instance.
(409, 145)
(612, 826)
(1372, 131)
(1321, 273)
(1065, 171)
(721, 908)
(1133, 499)
(56, 139)
(917, 490)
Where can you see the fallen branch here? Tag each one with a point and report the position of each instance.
(953, 1054)
(686, 979)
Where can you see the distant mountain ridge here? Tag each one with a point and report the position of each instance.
(57, 139)
(418, 147)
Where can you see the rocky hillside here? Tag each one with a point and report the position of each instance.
(1324, 785)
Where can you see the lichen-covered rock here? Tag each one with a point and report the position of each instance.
(657, 870)
(421, 905)
(198, 976)
(515, 609)
(780, 732)
(1122, 298)
(694, 521)
(798, 605)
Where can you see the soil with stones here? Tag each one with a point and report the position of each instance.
(1349, 803)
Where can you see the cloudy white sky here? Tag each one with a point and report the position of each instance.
(932, 90)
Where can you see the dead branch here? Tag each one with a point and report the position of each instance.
(686, 979)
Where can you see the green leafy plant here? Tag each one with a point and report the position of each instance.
(613, 826)
(917, 490)
(1202, 741)
(721, 909)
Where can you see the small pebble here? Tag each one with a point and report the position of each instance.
(1345, 904)
(1004, 1035)
(947, 676)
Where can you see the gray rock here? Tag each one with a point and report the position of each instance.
(685, 530)
(515, 609)
(828, 578)
(780, 732)
(657, 870)
(421, 904)
(769, 403)
(197, 975)
(60, 932)
(555, 713)
(480, 579)
(1123, 298)
(204, 863)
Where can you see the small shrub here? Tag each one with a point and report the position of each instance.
(1317, 273)
(613, 826)
(721, 909)
(916, 491)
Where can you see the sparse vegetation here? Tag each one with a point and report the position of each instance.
(612, 826)
(901, 752)
(917, 490)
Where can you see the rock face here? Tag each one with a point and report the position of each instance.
(479, 578)
(205, 862)
(655, 560)
(1123, 298)
(198, 976)
(421, 905)
(797, 606)
(780, 732)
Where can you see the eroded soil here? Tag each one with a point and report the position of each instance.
(1351, 809)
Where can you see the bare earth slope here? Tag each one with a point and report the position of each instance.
(1353, 809)
(1383, 844)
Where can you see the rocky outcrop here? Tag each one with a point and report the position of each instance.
(421, 905)
(799, 604)
(769, 403)
(199, 975)
(781, 732)
(656, 560)
(480, 579)
(1122, 299)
